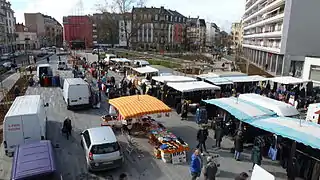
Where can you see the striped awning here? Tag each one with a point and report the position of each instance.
(138, 105)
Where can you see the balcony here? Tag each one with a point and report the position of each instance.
(268, 47)
(264, 9)
(264, 34)
(272, 18)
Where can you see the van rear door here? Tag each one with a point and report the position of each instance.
(78, 94)
(13, 134)
(31, 128)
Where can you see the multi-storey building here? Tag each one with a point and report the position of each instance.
(10, 36)
(212, 31)
(48, 29)
(157, 29)
(26, 40)
(124, 24)
(3, 35)
(78, 31)
(237, 35)
(278, 34)
(196, 34)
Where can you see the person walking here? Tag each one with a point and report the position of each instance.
(218, 134)
(195, 165)
(202, 136)
(210, 170)
(256, 156)
(238, 145)
(48, 59)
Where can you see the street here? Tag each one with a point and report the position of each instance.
(71, 158)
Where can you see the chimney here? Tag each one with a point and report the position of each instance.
(161, 7)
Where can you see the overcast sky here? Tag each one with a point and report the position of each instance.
(222, 12)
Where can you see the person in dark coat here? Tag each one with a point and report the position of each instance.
(218, 134)
(67, 127)
(256, 156)
(202, 136)
(184, 110)
(210, 170)
(238, 145)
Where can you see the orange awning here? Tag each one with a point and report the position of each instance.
(138, 105)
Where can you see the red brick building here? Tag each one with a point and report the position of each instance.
(78, 31)
(178, 35)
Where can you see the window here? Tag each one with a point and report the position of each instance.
(171, 18)
(156, 17)
(179, 19)
(149, 17)
(105, 148)
(279, 65)
(145, 17)
(134, 17)
(87, 138)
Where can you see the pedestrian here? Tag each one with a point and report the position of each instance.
(256, 156)
(202, 136)
(123, 176)
(184, 110)
(16, 91)
(34, 59)
(218, 134)
(210, 170)
(238, 145)
(242, 176)
(48, 59)
(195, 165)
(30, 69)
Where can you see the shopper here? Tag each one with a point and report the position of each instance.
(256, 156)
(238, 145)
(202, 136)
(242, 176)
(210, 170)
(218, 134)
(195, 165)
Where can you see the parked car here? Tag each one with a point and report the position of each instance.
(7, 65)
(102, 149)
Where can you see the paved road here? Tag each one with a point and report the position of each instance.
(71, 162)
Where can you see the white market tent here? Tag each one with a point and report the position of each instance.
(173, 78)
(192, 86)
(218, 81)
(141, 62)
(242, 79)
(146, 69)
(287, 80)
(221, 74)
(121, 60)
(280, 108)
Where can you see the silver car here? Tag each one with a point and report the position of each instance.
(102, 150)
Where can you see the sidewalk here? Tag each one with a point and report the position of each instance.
(8, 83)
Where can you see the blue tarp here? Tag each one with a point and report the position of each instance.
(308, 133)
(240, 109)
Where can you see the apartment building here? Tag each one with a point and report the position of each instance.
(10, 38)
(26, 40)
(157, 29)
(48, 29)
(196, 34)
(279, 34)
(78, 31)
(237, 35)
(212, 31)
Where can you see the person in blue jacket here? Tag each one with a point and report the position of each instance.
(195, 165)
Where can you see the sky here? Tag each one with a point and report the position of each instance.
(221, 12)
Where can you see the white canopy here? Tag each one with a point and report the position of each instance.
(141, 62)
(221, 74)
(120, 60)
(288, 80)
(173, 78)
(280, 108)
(241, 79)
(192, 86)
(146, 69)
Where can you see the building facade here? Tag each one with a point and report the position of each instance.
(157, 29)
(212, 32)
(196, 34)
(279, 34)
(10, 35)
(49, 30)
(237, 35)
(26, 40)
(105, 29)
(78, 31)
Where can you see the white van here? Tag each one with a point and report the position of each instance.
(101, 147)
(76, 92)
(44, 69)
(108, 57)
(24, 122)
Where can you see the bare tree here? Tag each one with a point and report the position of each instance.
(124, 8)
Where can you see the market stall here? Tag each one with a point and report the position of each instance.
(131, 111)
(172, 78)
(220, 74)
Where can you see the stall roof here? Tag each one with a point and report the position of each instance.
(141, 62)
(146, 69)
(308, 133)
(138, 105)
(221, 74)
(281, 108)
(287, 80)
(242, 110)
(121, 60)
(241, 79)
(173, 78)
(218, 80)
(192, 86)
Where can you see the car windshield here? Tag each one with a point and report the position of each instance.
(105, 148)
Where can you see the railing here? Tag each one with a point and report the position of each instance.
(258, 9)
